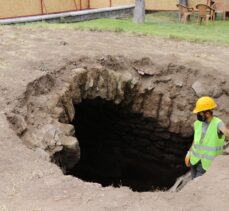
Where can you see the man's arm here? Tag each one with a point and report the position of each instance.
(225, 131)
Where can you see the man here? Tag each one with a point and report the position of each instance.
(209, 137)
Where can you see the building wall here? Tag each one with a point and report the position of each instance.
(84, 3)
(13, 8)
(53, 6)
(122, 2)
(152, 4)
(99, 3)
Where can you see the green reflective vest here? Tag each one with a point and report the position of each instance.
(208, 147)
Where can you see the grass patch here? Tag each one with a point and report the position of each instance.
(163, 24)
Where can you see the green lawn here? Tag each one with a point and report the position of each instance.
(163, 24)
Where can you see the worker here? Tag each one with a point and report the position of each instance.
(209, 137)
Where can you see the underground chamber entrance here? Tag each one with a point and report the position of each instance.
(120, 148)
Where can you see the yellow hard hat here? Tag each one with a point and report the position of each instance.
(204, 103)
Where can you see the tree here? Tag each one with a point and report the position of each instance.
(139, 11)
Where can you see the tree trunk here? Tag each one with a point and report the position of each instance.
(139, 11)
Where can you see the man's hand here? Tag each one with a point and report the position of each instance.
(187, 159)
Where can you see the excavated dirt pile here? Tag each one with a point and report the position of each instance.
(116, 121)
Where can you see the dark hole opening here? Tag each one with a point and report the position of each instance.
(121, 148)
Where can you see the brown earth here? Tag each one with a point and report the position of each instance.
(30, 182)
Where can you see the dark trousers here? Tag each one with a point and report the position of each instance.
(197, 170)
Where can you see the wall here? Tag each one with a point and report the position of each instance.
(99, 4)
(122, 2)
(12, 8)
(52, 6)
(152, 4)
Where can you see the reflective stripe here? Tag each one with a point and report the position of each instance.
(208, 148)
(208, 157)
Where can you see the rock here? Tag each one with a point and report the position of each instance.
(203, 87)
(112, 85)
(70, 110)
(68, 107)
(89, 84)
(78, 71)
(18, 123)
(223, 109)
(120, 89)
(137, 103)
(226, 87)
(70, 155)
(46, 138)
(66, 129)
(175, 124)
(59, 113)
(32, 139)
(42, 154)
(70, 142)
(179, 83)
(78, 83)
(165, 111)
(102, 84)
(40, 86)
(49, 140)
(151, 105)
(50, 135)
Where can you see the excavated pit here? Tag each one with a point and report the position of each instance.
(115, 121)
(121, 148)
